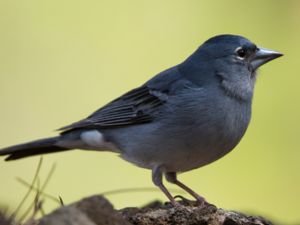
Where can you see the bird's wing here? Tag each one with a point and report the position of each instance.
(139, 105)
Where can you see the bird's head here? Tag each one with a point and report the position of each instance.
(234, 60)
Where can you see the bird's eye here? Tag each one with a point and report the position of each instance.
(241, 52)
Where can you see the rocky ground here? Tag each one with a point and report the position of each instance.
(96, 210)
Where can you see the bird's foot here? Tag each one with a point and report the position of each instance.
(173, 203)
(186, 202)
(200, 201)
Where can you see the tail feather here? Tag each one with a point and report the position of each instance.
(38, 147)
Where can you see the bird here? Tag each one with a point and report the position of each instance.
(183, 118)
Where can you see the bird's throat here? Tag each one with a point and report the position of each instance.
(241, 90)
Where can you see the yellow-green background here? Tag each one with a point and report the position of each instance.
(60, 60)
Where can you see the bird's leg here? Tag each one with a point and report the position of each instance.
(172, 178)
(157, 180)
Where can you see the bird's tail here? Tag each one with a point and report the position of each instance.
(38, 147)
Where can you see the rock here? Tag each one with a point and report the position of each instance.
(66, 216)
(96, 210)
(189, 215)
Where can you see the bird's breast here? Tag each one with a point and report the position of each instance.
(218, 132)
(201, 132)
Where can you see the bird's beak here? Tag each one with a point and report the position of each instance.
(262, 56)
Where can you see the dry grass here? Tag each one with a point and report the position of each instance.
(34, 208)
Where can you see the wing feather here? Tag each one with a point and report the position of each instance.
(139, 105)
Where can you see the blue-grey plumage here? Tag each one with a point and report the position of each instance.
(200, 139)
(183, 118)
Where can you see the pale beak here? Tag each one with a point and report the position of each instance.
(262, 56)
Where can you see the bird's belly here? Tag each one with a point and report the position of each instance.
(181, 154)
(177, 160)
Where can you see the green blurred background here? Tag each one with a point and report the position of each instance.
(61, 60)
